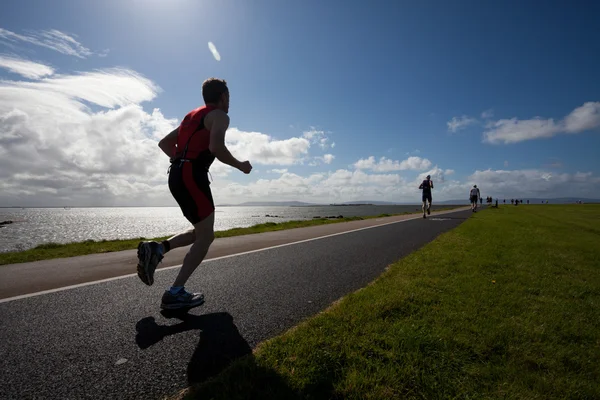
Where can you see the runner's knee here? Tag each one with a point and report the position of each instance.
(205, 229)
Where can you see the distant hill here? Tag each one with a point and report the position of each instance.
(270, 204)
(452, 202)
(302, 203)
(561, 200)
(375, 203)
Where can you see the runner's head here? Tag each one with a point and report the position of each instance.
(475, 186)
(216, 93)
(428, 177)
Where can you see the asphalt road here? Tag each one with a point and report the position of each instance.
(32, 277)
(109, 340)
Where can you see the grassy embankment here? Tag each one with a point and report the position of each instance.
(504, 306)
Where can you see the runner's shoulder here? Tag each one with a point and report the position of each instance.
(216, 116)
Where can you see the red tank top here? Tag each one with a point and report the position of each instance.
(193, 139)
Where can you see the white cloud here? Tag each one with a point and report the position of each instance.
(535, 183)
(340, 185)
(325, 159)
(84, 139)
(336, 186)
(328, 158)
(487, 114)
(512, 130)
(344, 185)
(213, 50)
(312, 133)
(55, 150)
(415, 163)
(52, 39)
(28, 69)
(456, 124)
(318, 137)
(260, 148)
(385, 164)
(583, 118)
(438, 175)
(107, 88)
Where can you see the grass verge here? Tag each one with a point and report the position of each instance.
(48, 251)
(504, 306)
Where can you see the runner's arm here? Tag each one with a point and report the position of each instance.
(219, 122)
(167, 144)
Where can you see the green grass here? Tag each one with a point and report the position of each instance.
(48, 251)
(507, 306)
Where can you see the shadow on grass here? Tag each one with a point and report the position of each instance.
(219, 345)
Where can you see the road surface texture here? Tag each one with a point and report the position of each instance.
(109, 340)
(31, 277)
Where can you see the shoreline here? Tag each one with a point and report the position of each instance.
(19, 279)
(48, 251)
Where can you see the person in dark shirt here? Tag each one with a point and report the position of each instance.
(426, 186)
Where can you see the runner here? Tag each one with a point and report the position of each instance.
(192, 148)
(426, 185)
(474, 197)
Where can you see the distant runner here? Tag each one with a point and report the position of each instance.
(474, 197)
(426, 186)
(192, 148)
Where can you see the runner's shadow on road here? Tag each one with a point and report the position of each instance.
(220, 341)
(219, 346)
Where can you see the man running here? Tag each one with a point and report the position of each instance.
(426, 185)
(192, 148)
(474, 196)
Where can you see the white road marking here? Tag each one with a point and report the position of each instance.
(24, 296)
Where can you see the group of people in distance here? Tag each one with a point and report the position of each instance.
(427, 185)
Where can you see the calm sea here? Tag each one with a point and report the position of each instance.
(33, 226)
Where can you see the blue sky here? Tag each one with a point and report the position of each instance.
(378, 81)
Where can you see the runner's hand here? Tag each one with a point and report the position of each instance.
(246, 167)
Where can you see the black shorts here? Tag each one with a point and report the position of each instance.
(473, 199)
(426, 197)
(190, 187)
